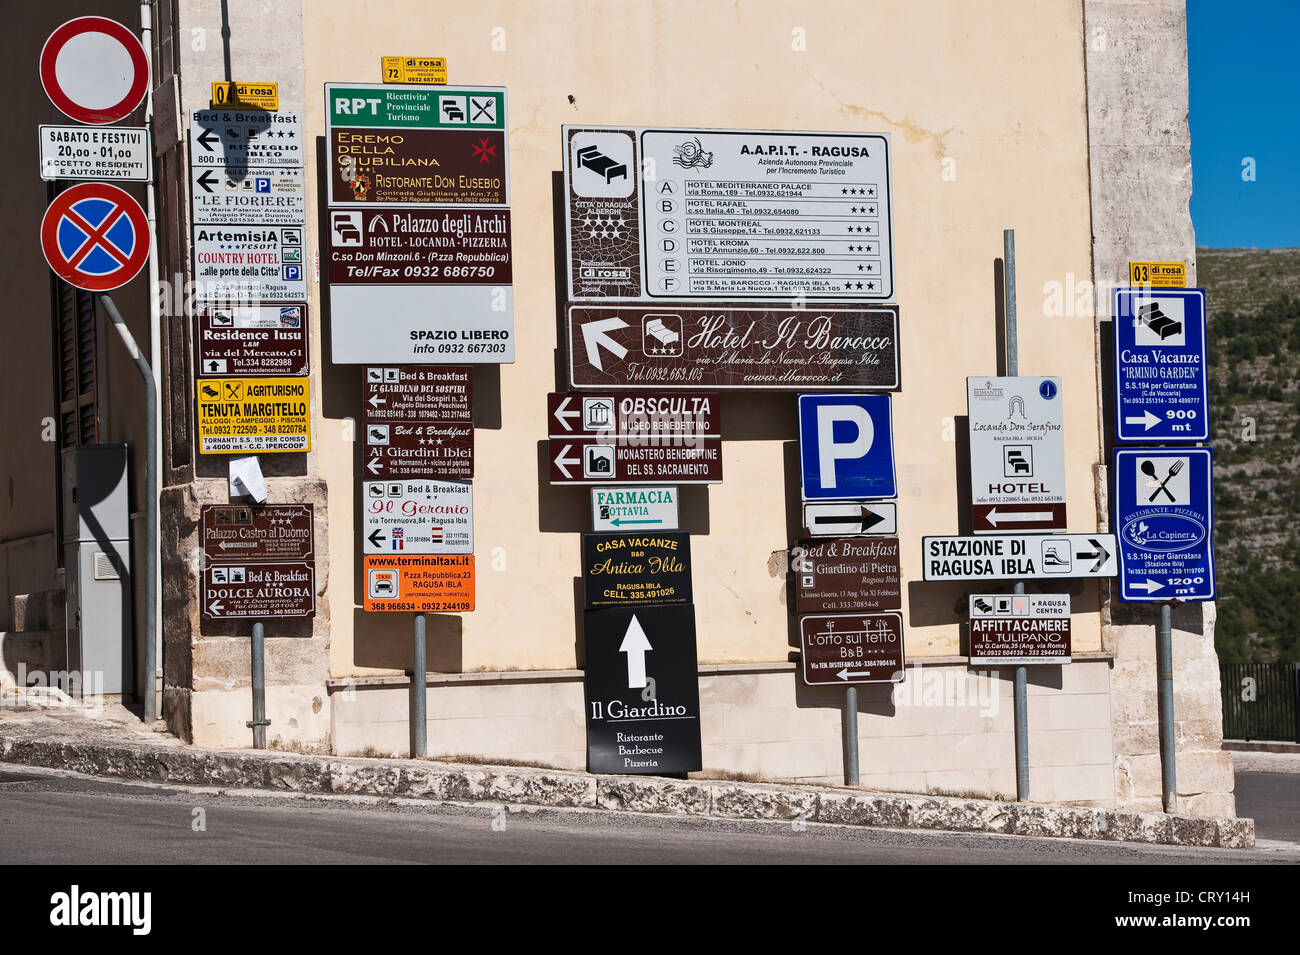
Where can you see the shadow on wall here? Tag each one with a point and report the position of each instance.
(385, 640)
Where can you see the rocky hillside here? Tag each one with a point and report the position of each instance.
(1254, 360)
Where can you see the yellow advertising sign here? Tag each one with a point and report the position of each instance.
(251, 95)
(246, 415)
(1158, 274)
(414, 69)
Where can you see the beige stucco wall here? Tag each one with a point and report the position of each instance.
(995, 88)
(947, 730)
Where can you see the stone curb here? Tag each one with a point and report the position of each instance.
(1259, 746)
(422, 779)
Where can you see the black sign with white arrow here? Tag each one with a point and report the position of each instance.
(642, 690)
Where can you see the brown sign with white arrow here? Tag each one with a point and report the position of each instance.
(852, 648)
(1012, 518)
(258, 563)
(419, 449)
(417, 393)
(636, 461)
(645, 413)
(735, 346)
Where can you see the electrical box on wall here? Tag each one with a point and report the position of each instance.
(97, 562)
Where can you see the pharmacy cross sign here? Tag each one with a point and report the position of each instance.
(95, 237)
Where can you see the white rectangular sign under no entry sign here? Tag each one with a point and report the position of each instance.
(115, 153)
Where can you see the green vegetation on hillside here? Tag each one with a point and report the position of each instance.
(1254, 378)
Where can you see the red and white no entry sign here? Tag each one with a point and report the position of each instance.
(94, 70)
(95, 237)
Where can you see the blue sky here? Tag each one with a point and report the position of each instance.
(1245, 102)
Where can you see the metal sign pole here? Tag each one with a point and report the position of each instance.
(1165, 676)
(850, 735)
(1021, 692)
(259, 722)
(419, 692)
(148, 692)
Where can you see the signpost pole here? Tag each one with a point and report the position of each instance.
(1021, 692)
(419, 693)
(850, 735)
(259, 722)
(1165, 675)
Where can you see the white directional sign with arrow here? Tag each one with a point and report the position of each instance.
(418, 517)
(235, 140)
(265, 195)
(1019, 556)
(851, 519)
(636, 508)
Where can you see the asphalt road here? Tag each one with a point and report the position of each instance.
(1273, 801)
(48, 816)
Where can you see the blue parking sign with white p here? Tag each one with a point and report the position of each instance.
(1164, 523)
(846, 447)
(1160, 384)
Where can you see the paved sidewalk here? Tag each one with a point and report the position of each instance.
(115, 744)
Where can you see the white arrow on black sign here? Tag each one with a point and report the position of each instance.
(635, 644)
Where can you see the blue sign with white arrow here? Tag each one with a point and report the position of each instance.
(1164, 523)
(846, 447)
(1160, 385)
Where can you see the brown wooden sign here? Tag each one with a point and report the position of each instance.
(383, 165)
(251, 341)
(847, 574)
(416, 247)
(626, 569)
(417, 393)
(258, 563)
(270, 532)
(649, 414)
(733, 346)
(852, 648)
(636, 461)
(417, 449)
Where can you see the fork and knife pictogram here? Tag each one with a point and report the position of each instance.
(1149, 469)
